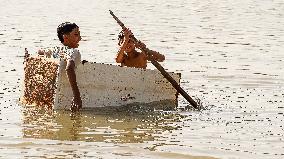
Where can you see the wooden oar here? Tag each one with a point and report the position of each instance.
(161, 69)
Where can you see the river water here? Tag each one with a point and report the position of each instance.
(230, 55)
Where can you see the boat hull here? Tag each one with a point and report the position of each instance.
(105, 85)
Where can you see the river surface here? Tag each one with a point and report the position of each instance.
(230, 54)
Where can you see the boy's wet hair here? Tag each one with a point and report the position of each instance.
(65, 28)
(120, 37)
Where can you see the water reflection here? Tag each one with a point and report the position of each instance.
(114, 127)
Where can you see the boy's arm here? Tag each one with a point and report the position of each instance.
(156, 56)
(120, 55)
(151, 54)
(70, 69)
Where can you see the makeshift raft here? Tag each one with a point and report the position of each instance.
(100, 85)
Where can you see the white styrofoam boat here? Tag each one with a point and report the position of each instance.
(100, 85)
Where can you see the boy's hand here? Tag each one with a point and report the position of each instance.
(127, 33)
(140, 45)
(76, 103)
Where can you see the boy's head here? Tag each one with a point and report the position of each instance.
(130, 46)
(69, 34)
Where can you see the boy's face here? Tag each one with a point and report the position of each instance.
(72, 39)
(130, 46)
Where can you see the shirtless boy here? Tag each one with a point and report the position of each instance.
(128, 56)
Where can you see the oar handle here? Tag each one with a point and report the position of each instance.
(160, 68)
(117, 20)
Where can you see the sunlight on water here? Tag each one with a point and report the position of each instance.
(94, 127)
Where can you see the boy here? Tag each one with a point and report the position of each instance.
(69, 35)
(128, 56)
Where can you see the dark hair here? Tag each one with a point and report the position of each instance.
(65, 28)
(120, 37)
